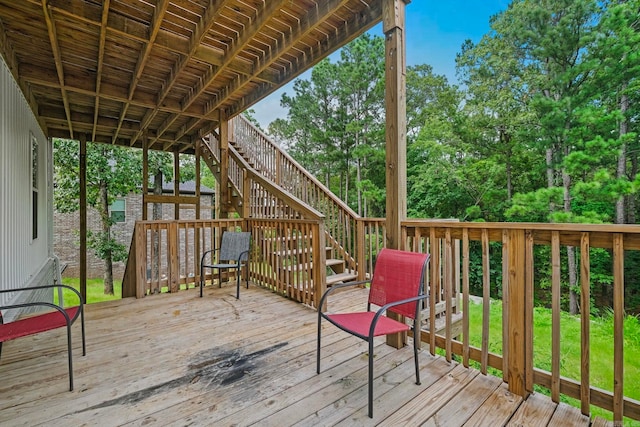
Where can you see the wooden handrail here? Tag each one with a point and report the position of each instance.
(518, 266)
(274, 163)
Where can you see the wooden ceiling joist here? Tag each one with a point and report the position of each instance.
(116, 70)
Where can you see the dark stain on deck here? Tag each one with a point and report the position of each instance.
(211, 368)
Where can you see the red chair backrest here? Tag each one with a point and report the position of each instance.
(397, 275)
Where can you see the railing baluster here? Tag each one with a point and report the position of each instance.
(585, 318)
(465, 297)
(555, 316)
(618, 326)
(486, 301)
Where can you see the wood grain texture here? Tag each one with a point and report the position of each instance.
(177, 359)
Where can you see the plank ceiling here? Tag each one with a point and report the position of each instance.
(120, 71)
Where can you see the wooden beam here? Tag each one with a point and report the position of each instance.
(175, 200)
(353, 29)
(393, 17)
(259, 22)
(311, 21)
(224, 194)
(145, 175)
(156, 21)
(176, 184)
(206, 21)
(516, 311)
(83, 216)
(396, 120)
(103, 37)
(55, 48)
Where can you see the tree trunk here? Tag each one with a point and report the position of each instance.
(571, 251)
(622, 158)
(106, 230)
(550, 175)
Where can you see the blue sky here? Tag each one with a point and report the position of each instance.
(435, 30)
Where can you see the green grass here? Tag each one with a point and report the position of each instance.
(601, 340)
(95, 291)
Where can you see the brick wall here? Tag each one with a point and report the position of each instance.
(66, 228)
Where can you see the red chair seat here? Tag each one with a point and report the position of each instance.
(360, 322)
(35, 324)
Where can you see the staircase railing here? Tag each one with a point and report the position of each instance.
(341, 222)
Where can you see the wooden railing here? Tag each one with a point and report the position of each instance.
(269, 160)
(165, 256)
(516, 244)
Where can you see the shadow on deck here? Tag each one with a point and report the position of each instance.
(176, 359)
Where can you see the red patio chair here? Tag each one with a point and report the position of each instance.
(396, 286)
(42, 322)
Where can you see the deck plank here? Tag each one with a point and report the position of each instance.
(178, 359)
(496, 410)
(419, 409)
(462, 407)
(537, 410)
(567, 416)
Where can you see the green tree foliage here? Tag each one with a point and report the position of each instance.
(334, 126)
(111, 171)
(544, 127)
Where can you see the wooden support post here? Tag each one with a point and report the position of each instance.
(145, 175)
(198, 148)
(83, 216)
(176, 183)
(174, 268)
(518, 330)
(246, 195)
(141, 261)
(319, 274)
(393, 18)
(224, 195)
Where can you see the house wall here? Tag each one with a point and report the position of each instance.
(24, 261)
(67, 226)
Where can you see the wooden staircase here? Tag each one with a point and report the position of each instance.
(292, 179)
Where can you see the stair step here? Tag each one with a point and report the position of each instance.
(336, 265)
(347, 276)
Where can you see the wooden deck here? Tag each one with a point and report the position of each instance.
(176, 359)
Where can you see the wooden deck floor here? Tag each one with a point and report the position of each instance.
(180, 360)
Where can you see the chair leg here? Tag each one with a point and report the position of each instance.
(219, 277)
(318, 344)
(238, 274)
(370, 377)
(201, 279)
(416, 341)
(70, 357)
(84, 345)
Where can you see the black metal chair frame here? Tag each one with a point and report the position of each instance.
(370, 337)
(69, 320)
(226, 253)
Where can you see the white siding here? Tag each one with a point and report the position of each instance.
(23, 261)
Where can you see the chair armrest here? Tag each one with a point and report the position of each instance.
(204, 254)
(242, 253)
(385, 307)
(75, 291)
(60, 308)
(338, 286)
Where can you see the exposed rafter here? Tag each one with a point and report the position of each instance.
(55, 48)
(206, 21)
(115, 70)
(304, 28)
(103, 36)
(158, 14)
